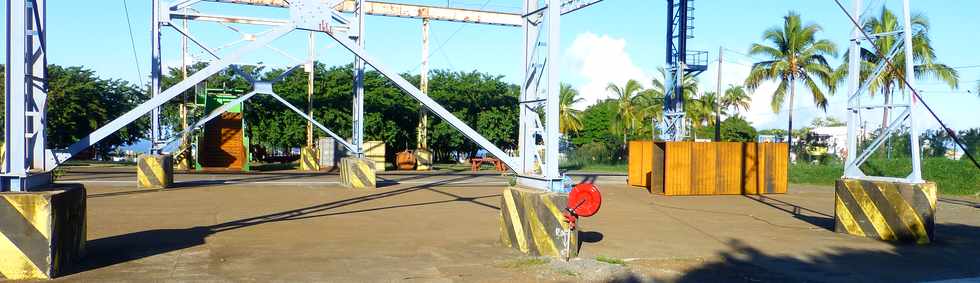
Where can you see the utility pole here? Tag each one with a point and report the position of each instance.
(422, 131)
(718, 96)
(155, 69)
(310, 65)
(184, 156)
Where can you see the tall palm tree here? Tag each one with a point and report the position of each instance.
(570, 119)
(736, 99)
(795, 54)
(626, 118)
(890, 82)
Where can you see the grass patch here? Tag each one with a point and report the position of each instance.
(953, 177)
(524, 262)
(610, 260)
(567, 272)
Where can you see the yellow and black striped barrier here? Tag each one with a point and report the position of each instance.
(155, 171)
(357, 173)
(423, 160)
(309, 159)
(532, 221)
(41, 233)
(887, 211)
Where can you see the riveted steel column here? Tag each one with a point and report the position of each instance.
(15, 166)
(916, 175)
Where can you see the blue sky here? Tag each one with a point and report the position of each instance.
(612, 41)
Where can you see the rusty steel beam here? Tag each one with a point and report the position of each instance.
(409, 11)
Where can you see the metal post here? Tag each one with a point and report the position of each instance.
(183, 74)
(16, 90)
(552, 133)
(423, 128)
(310, 68)
(718, 96)
(155, 69)
(525, 137)
(38, 89)
(916, 175)
(854, 96)
(358, 132)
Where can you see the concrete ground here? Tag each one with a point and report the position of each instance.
(295, 227)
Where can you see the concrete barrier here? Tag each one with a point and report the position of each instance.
(308, 159)
(532, 222)
(41, 233)
(375, 151)
(887, 211)
(423, 160)
(154, 171)
(357, 173)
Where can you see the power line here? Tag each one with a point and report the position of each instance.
(132, 41)
(443, 44)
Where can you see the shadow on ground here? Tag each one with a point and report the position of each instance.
(113, 250)
(953, 255)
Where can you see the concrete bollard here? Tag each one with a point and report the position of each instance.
(889, 211)
(357, 173)
(41, 233)
(154, 171)
(532, 222)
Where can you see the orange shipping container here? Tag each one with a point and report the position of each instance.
(719, 168)
(640, 163)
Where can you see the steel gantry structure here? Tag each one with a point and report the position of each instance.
(27, 161)
(680, 64)
(858, 89)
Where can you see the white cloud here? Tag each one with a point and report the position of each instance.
(600, 60)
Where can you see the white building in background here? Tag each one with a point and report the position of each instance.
(836, 138)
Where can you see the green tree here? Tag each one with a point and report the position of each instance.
(84, 103)
(891, 81)
(570, 118)
(597, 124)
(794, 54)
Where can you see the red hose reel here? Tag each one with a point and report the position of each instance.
(584, 200)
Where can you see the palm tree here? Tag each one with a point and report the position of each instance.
(736, 99)
(626, 119)
(795, 54)
(570, 119)
(700, 111)
(923, 54)
(650, 106)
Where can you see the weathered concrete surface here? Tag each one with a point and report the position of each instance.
(443, 227)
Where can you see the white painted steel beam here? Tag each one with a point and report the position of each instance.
(432, 105)
(409, 11)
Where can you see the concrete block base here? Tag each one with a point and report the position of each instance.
(357, 173)
(889, 211)
(155, 171)
(41, 233)
(423, 160)
(532, 222)
(309, 159)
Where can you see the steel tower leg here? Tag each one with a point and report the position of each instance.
(25, 97)
(916, 175)
(358, 131)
